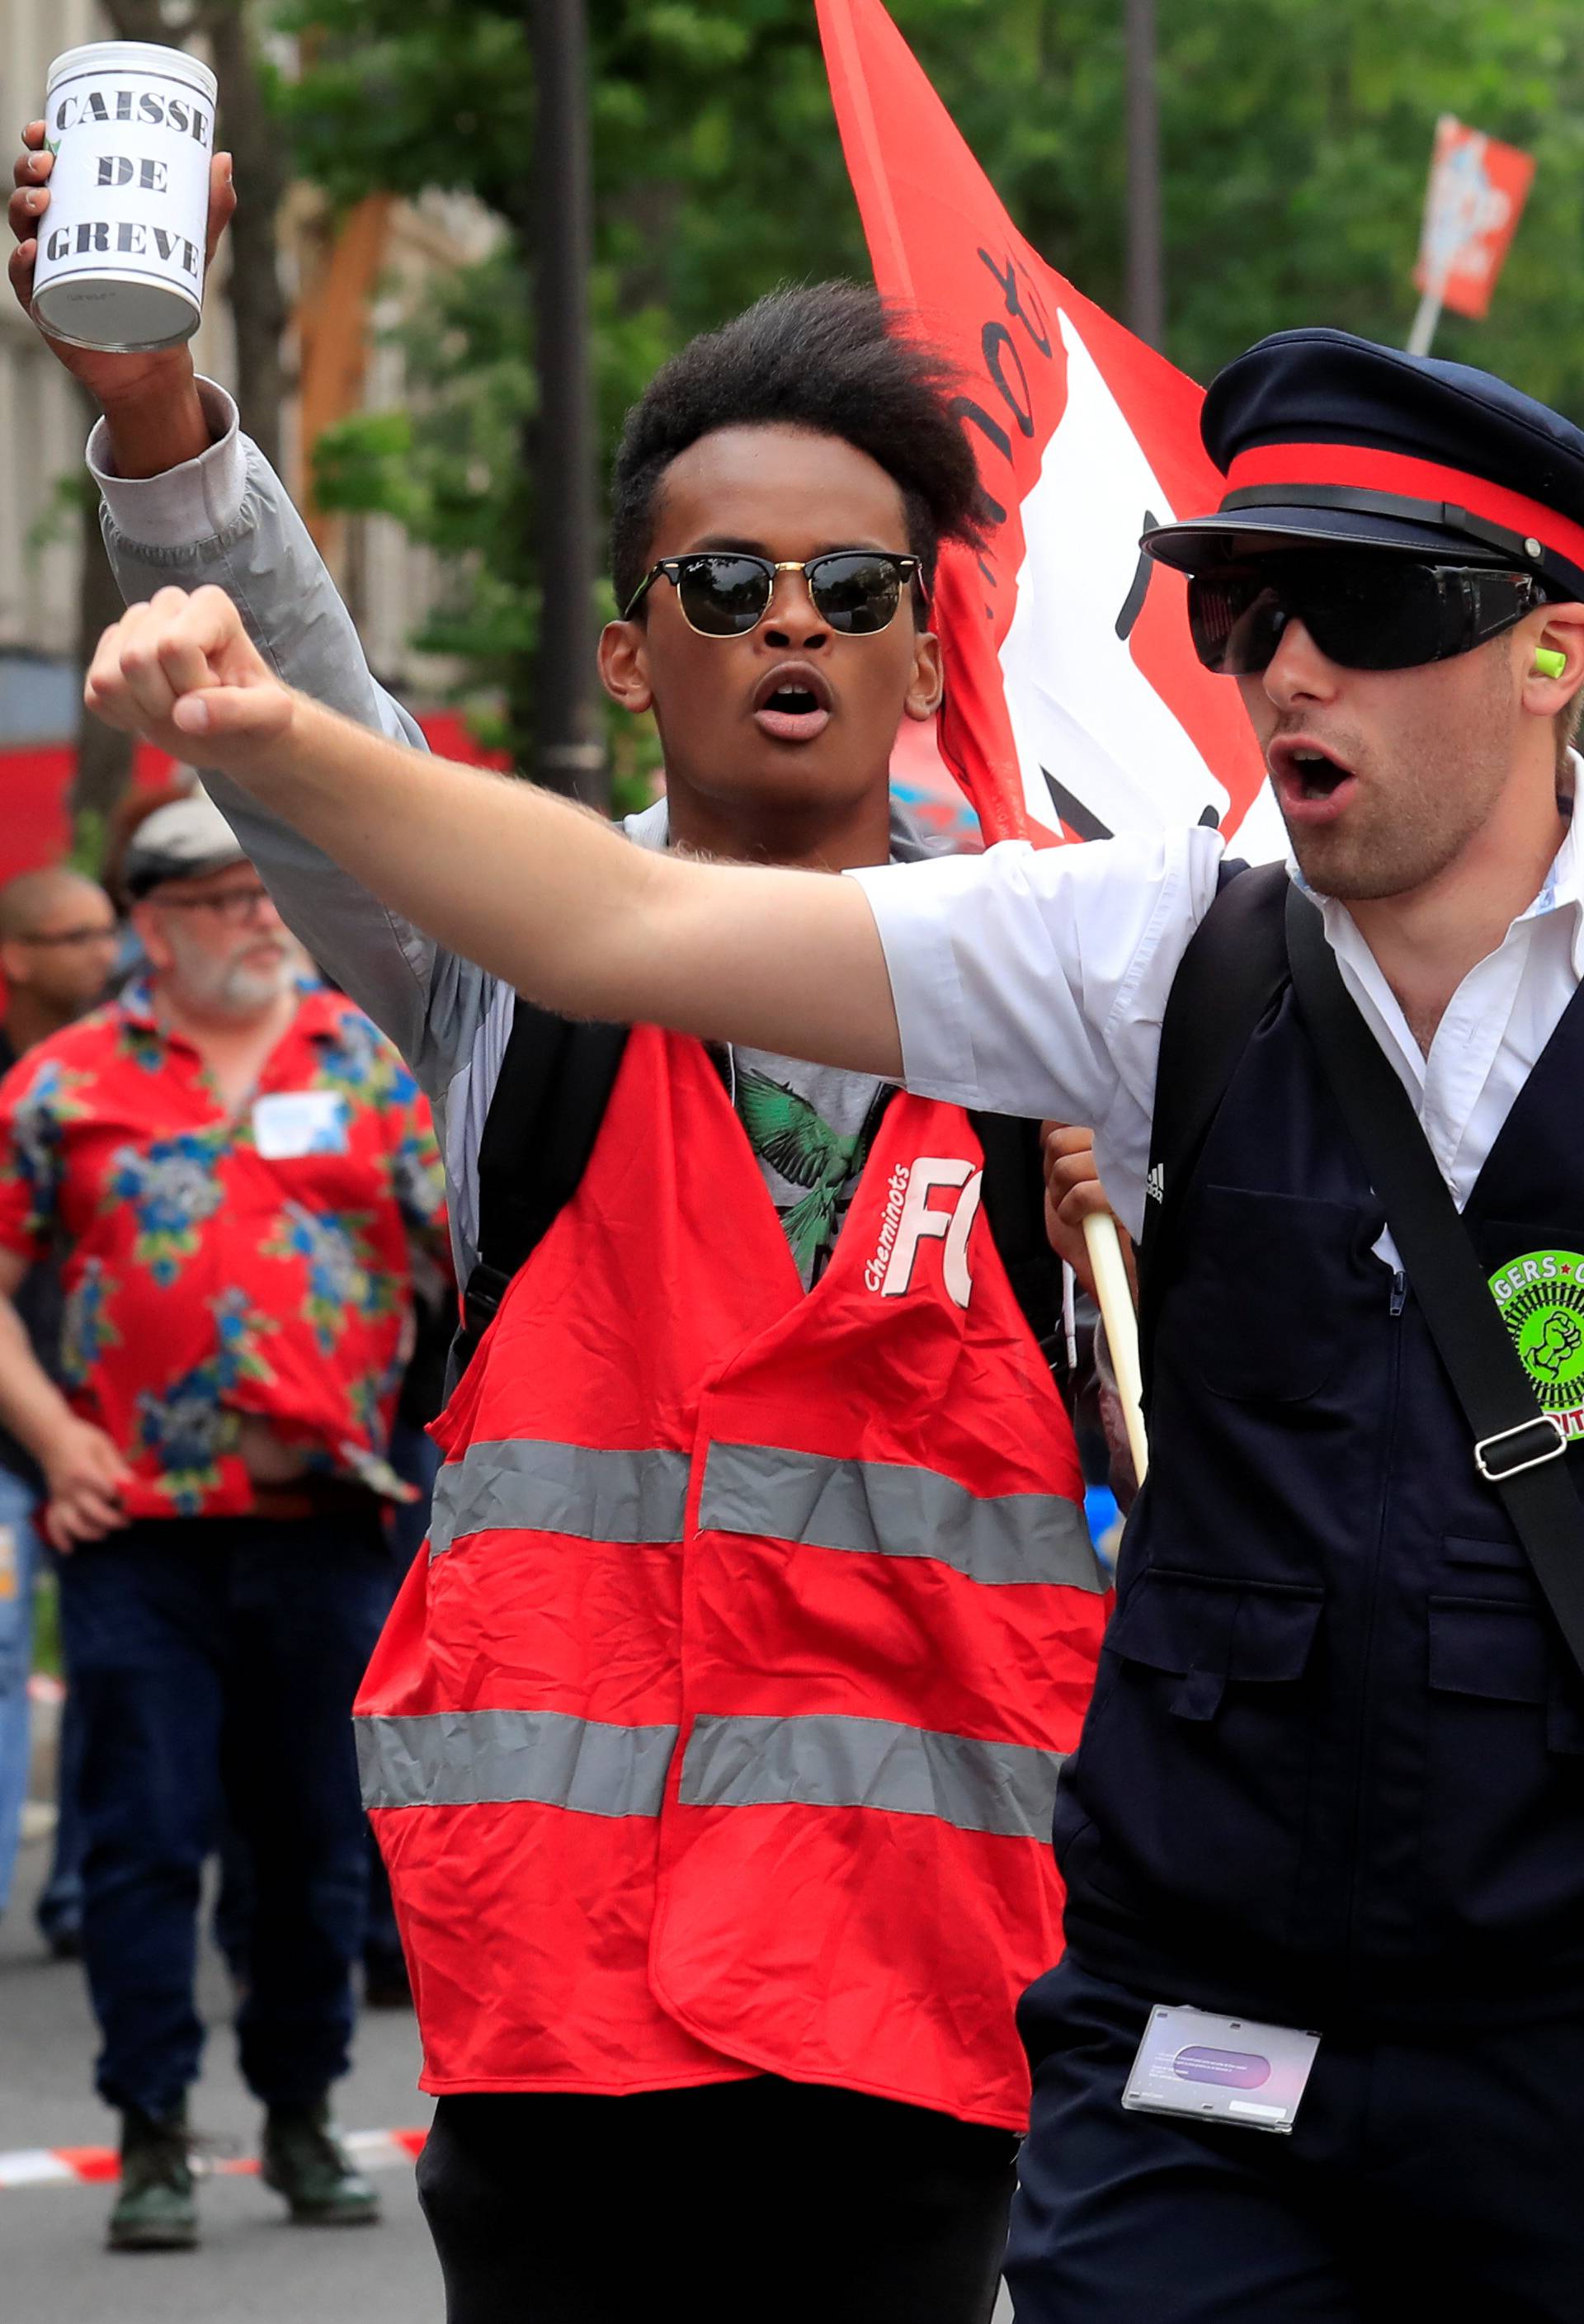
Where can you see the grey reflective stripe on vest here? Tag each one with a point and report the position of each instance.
(466, 1759)
(896, 1511)
(828, 1761)
(542, 1486)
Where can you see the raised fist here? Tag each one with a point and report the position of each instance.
(183, 670)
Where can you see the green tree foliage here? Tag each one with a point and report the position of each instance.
(1296, 140)
(717, 172)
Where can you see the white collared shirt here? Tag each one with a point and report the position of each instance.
(1033, 981)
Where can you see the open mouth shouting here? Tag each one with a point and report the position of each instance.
(792, 703)
(1312, 784)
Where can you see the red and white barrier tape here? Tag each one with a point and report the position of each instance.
(77, 2166)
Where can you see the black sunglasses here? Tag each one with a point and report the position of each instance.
(1363, 612)
(725, 594)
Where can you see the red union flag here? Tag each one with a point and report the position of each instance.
(1075, 705)
(1478, 189)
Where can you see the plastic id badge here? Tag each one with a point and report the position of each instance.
(1226, 2069)
(290, 1123)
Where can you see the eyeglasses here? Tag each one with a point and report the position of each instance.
(74, 938)
(233, 907)
(725, 594)
(1364, 612)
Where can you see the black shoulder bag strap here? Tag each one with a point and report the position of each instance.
(1231, 971)
(1014, 1209)
(555, 1083)
(1517, 1447)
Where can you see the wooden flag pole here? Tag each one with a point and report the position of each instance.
(1115, 1307)
(1427, 317)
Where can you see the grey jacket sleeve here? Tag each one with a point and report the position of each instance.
(225, 518)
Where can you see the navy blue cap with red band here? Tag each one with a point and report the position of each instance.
(1325, 438)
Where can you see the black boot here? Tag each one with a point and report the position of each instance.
(305, 2161)
(155, 2209)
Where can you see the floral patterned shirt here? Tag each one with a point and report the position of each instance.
(216, 1267)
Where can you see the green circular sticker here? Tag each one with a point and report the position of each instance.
(1542, 1300)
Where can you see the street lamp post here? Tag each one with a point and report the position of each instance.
(569, 755)
(1146, 290)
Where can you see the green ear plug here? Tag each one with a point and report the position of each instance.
(1548, 664)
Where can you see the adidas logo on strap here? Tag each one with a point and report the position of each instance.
(1154, 1185)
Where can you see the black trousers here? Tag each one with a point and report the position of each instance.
(766, 2201)
(1439, 2180)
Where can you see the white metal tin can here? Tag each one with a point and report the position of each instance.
(121, 247)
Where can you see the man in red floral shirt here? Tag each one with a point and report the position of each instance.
(235, 1168)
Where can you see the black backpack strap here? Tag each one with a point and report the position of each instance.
(1234, 966)
(1514, 1444)
(549, 1101)
(555, 1083)
(1013, 1196)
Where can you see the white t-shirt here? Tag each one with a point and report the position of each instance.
(1033, 981)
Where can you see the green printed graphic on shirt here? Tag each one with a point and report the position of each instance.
(1541, 1297)
(792, 1140)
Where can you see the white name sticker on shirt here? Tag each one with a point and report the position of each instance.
(292, 1123)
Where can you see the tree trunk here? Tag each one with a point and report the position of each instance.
(258, 307)
(568, 746)
(520, 546)
(333, 345)
(256, 143)
(104, 756)
(143, 20)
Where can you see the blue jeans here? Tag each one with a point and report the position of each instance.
(214, 1662)
(19, 1562)
(58, 1911)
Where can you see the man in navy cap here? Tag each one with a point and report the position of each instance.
(1330, 1792)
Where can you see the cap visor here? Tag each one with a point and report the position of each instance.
(1233, 533)
(139, 874)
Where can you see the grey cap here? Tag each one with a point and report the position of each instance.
(186, 840)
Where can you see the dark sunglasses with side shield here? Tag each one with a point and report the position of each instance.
(725, 594)
(1363, 612)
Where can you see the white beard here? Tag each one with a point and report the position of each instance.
(227, 989)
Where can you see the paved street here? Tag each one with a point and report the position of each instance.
(252, 2268)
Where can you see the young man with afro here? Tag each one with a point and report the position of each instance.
(713, 1749)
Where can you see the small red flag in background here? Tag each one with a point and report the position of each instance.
(1475, 197)
(1075, 705)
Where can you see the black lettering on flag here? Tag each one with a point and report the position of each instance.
(1006, 276)
(962, 407)
(1080, 820)
(996, 339)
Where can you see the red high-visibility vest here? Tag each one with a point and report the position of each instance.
(719, 1730)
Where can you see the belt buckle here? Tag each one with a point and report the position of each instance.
(1544, 1420)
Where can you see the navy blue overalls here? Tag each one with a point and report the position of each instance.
(1332, 1776)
